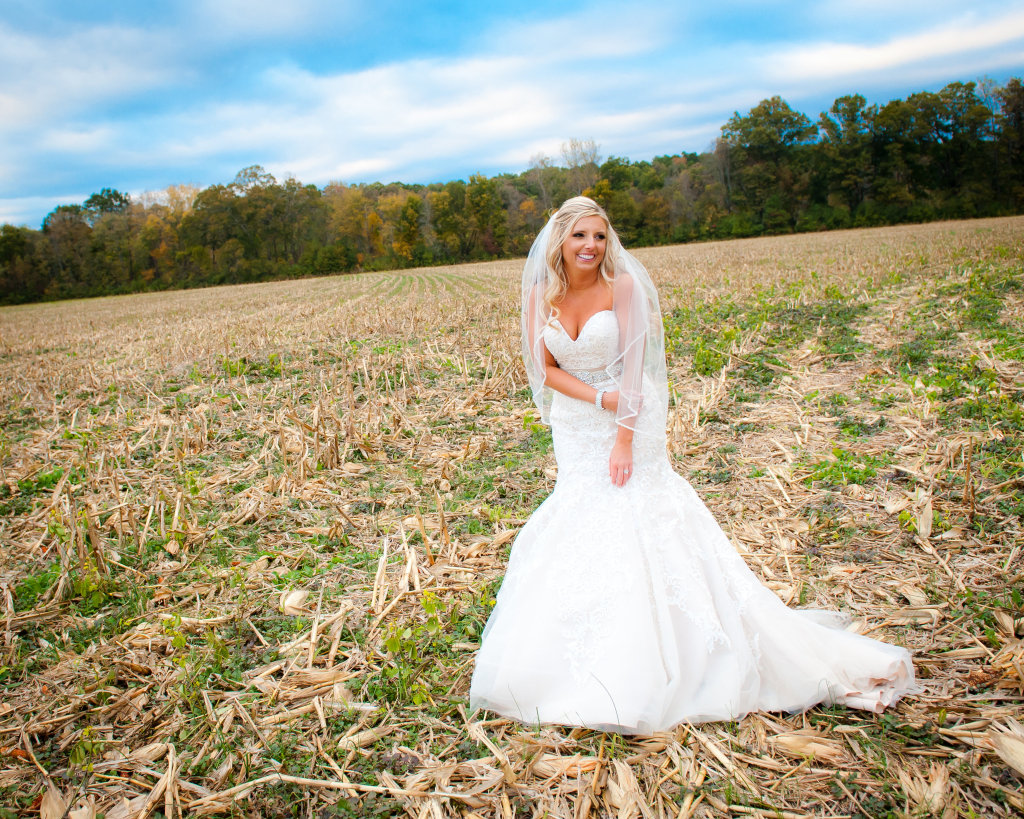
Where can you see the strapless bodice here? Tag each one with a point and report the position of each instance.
(595, 348)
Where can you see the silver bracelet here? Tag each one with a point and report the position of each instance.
(599, 399)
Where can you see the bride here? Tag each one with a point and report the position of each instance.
(624, 606)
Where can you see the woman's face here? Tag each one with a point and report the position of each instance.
(583, 250)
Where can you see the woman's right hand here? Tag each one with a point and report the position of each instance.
(610, 400)
(620, 464)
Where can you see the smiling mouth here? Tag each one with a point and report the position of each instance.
(586, 257)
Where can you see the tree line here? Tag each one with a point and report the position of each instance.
(955, 153)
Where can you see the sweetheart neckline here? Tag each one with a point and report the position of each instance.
(582, 327)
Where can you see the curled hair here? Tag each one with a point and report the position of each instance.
(563, 222)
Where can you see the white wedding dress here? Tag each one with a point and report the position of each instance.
(627, 608)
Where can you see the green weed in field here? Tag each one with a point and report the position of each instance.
(35, 585)
(846, 467)
(258, 370)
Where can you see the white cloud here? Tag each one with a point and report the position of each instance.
(523, 91)
(826, 60)
(15, 109)
(14, 210)
(368, 122)
(55, 77)
(842, 11)
(356, 169)
(594, 31)
(236, 19)
(78, 140)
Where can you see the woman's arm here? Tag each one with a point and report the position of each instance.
(558, 379)
(620, 463)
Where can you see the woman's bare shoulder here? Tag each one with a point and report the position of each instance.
(622, 285)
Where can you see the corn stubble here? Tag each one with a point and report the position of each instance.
(251, 534)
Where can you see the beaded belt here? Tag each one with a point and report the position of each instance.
(597, 375)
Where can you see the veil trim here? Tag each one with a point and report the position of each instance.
(638, 370)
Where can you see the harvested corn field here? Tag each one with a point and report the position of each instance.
(251, 535)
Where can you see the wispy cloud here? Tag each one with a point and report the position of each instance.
(12, 209)
(589, 31)
(235, 19)
(55, 77)
(73, 141)
(842, 59)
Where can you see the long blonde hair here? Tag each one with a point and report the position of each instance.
(563, 222)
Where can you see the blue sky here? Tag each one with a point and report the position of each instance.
(139, 96)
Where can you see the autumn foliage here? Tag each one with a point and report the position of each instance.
(950, 154)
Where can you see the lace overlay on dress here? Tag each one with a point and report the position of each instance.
(628, 607)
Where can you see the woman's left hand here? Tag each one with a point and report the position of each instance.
(620, 464)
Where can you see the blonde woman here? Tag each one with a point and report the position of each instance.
(624, 606)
